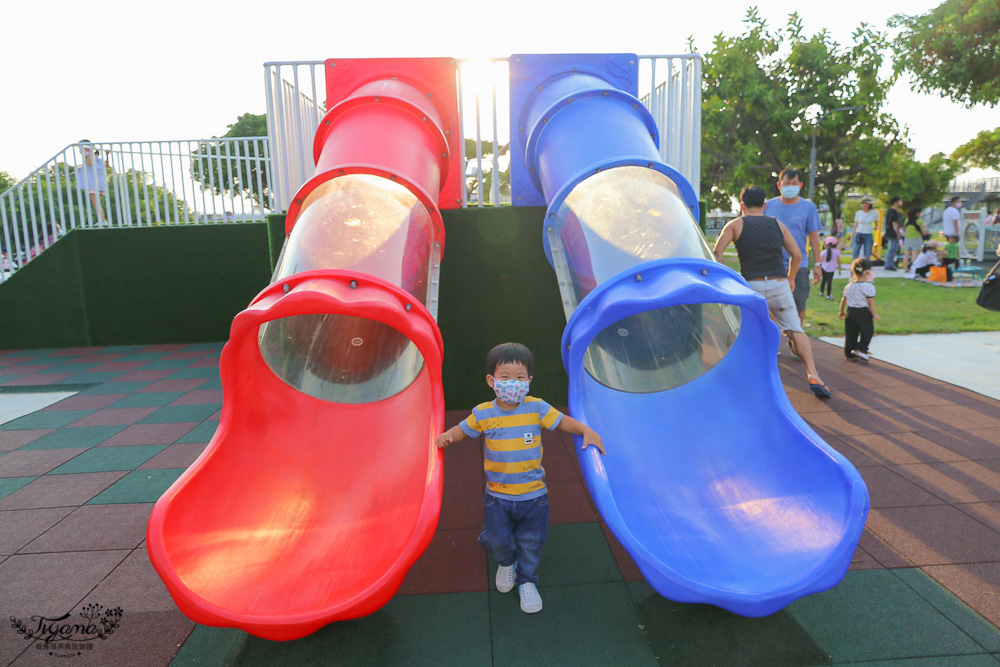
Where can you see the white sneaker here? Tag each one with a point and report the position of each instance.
(505, 578)
(531, 601)
(860, 355)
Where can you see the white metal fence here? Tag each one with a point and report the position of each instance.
(669, 86)
(134, 184)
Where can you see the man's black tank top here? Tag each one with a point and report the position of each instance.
(759, 248)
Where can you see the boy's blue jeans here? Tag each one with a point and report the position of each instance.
(514, 531)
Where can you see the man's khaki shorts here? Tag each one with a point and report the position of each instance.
(779, 302)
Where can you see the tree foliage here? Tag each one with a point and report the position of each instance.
(235, 167)
(762, 93)
(983, 151)
(953, 49)
(6, 181)
(471, 182)
(918, 183)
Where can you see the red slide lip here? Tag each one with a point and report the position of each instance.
(244, 373)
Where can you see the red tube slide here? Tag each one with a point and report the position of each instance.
(322, 486)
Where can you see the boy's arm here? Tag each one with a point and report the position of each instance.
(794, 254)
(590, 437)
(454, 434)
(725, 238)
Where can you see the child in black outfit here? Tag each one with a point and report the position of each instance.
(857, 309)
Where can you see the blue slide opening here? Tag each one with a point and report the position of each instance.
(717, 488)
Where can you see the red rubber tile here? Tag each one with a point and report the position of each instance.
(888, 489)
(95, 528)
(11, 440)
(118, 367)
(463, 463)
(174, 385)
(205, 363)
(30, 380)
(453, 563)
(180, 455)
(167, 348)
(147, 375)
(36, 462)
(883, 554)
(84, 402)
(628, 568)
(956, 482)
(461, 507)
(22, 526)
(60, 490)
(187, 354)
(935, 535)
(27, 594)
(569, 502)
(150, 434)
(977, 584)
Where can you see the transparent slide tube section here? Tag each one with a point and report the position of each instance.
(360, 223)
(613, 221)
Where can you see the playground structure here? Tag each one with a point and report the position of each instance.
(313, 499)
(322, 484)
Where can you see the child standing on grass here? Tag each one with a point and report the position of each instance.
(516, 505)
(857, 309)
(829, 261)
(950, 258)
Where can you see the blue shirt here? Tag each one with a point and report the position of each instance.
(513, 451)
(801, 218)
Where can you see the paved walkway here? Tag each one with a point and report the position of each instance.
(79, 477)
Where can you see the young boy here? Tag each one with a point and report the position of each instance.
(516, 505)
(950, 258)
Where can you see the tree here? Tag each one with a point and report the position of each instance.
(983, 151)
(953, 49)
(235, 167)
(471, 183)
(6, 180)
(762, 94)
(920, 184)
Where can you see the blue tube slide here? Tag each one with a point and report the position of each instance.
(716, 487)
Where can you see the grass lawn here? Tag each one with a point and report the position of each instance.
(906, 307)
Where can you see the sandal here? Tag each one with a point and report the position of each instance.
(819, 389)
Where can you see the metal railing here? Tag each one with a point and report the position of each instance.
(669, 86)
(134, 184)
(975, 185)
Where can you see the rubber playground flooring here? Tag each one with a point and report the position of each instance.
(78, 479)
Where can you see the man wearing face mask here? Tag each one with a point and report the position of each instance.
(801, 218)
(951, 218)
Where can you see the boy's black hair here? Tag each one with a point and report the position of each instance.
(509, 353)
(894, 200)
(955, 199)
(753, 196)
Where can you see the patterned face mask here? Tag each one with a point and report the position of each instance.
(511, 391)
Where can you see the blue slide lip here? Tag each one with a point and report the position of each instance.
(685, 552)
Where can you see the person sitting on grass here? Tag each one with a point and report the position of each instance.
(929, 256)
(759, 240)
(516, 505)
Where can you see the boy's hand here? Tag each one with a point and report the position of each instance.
(444, 440)
(590, 437)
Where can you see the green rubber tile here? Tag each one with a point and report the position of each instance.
(37, 420)
(94, 378)
(575, 553)
(148, 399)
(102, 459)
(121, 349)
(180, 413)
(200, 433)
(117, 387)
(211, 647)
(950, 661)
(699, 634)
(166, 364)
(873, 615)
(193, 374)
(72, 368)
(591, 624)
(78, 436)
(141, 486)
(959, 613)
(213, 383)
(9, 485)
(412, 630)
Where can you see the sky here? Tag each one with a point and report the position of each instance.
(111, 70)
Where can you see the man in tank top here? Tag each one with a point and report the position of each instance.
(759, 241)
